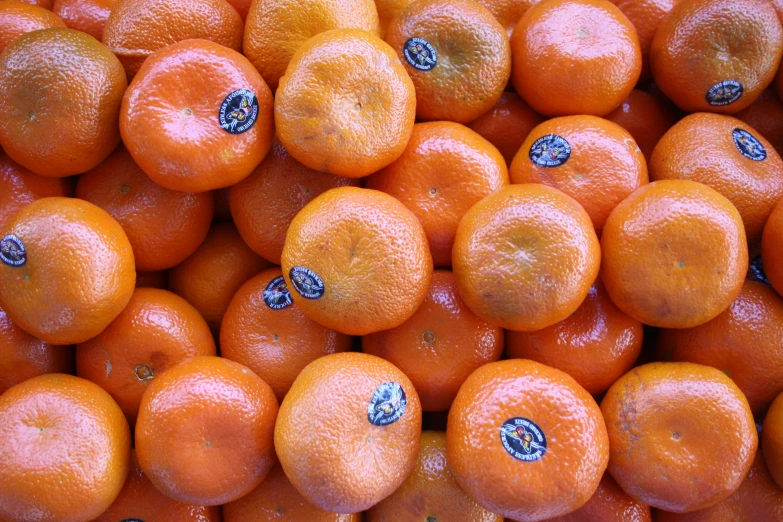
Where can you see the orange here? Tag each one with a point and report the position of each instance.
(745, 342)
(346, 105)
(88, 16)
(264, 204)
(276, 29)
(137, 28)
(60, 95)
(771, 253)
(440, 345)
(508, 12)
(772, 439)
(277, 500)
(64, 450)
(575, 57)
(22, 356)
(738, 44)
(209, 278)
(646, 16)
(682, 436)
(766, 116)
(266, 331)
(430, 492)
(457, 55)
(18, 18)
(205, 429)
(507, 124)
(674, 254)
(388, 10)
(191, 135)
(242, 7)
(595, 345)
(156, 331)
(357, 260)
(445, 169)
(593, 160)
(66, 270)
(526, 441)
(366, 416)
(46, 4)
(729, 156)
(157, 279)
(525, 257)
(646, 118)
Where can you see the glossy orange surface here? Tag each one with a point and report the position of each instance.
(646, 117)
(88, 16)
(17, 18)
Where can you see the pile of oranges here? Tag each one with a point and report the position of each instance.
(391, 260)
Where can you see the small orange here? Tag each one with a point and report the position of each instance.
(345, 105)
(388, 11)
(771, 253)
(525, 257)
(682, 436)
(157, 279)
(88, 16)
(575, 57)
(646, 118)
(366, 416)
(191, 135)
(674, 254)
(18, 18)
(508, 12)
(646, 16)
(266, 331)
(526, 441)
(358, 261)
(738, 44)
(766, 116)
(457, 55)
(205, 431)
(445, 169)
(64, 450)
(772, 439)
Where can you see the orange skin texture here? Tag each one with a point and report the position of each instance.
(205, 431)
(136, 29)
(46, 4)
(515, 239)
(507, 124)
(276, 344)
(674, 254)
(211, 276)
(264, 204)
(276, 29)
(156, 331)
(79, 273)
(371, 254)
(158, 279)
(745, 342)
(440, 345)
(445, 169)
(754, 187)
(164, 226)
(88, 16)
(357, 464)
(605, 165)
(388, 10)
(276, 500)
(595, 345)
(508, 12)
(646, 16)
(169, 120)
(766, 116)
(473, 58)
(771, 253)
(568, 473)
(575, 57)
(64, 450)
(60, 95)
(18, 18)
(772, 439)
(646, 118)
(663, 419)
(22, 356)
(346, 105)
(701, 43)
(430, 491)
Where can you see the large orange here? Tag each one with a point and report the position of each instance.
(60, 95)
(526, 441)
(646, 118)
(357, 260)
(575, 57)
(445, 169)
(74, 270)
(681, 435)
(525, 257)
(205, 429)
(457, 55)
(771, 252)
(346, 105)
(766, 116)
(646, 16)
(772, 439)
(88, 16)
(366, 417)
(64, 450)
(18, 18)
(674, 254)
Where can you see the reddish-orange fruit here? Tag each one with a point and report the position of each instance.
(646, 16)
(388, 11)
(64, 450)
(508, 12)
(772, 439)
(46, 4)
(766, 116)
(242, 7)
(508, 427)
(159, 279)
(18, 18)
(771, 251)
(445, 169)
(646, 118)
(88, 16)
(590, 39)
